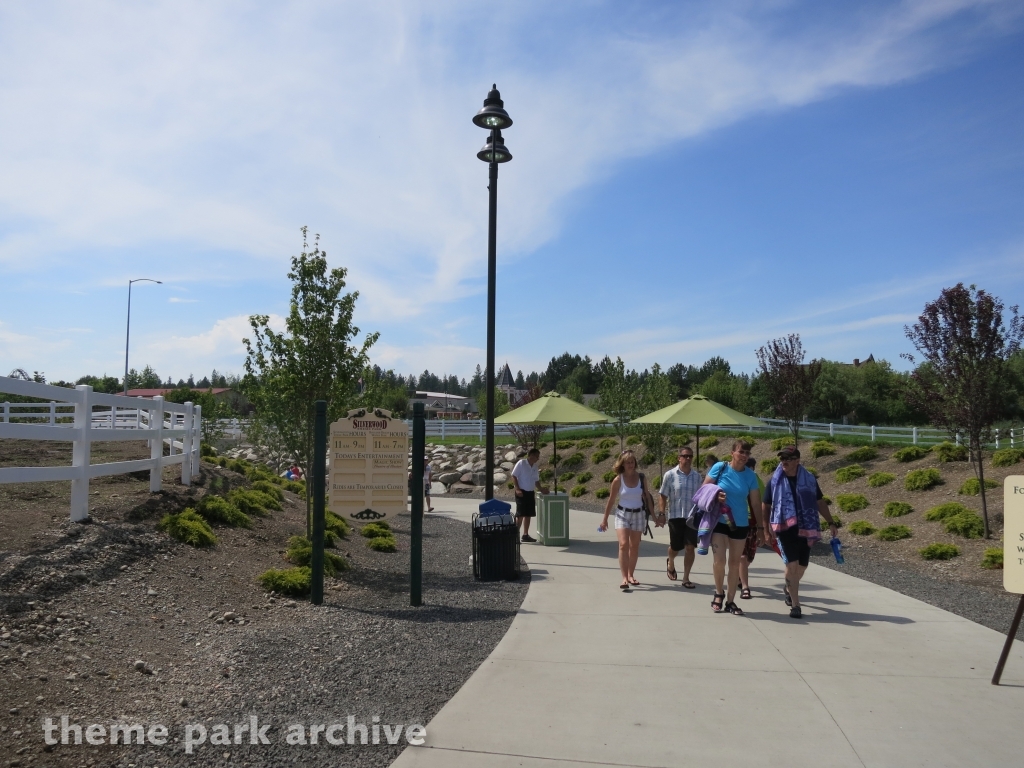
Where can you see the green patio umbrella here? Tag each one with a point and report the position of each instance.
(695, 411)
(552, 409)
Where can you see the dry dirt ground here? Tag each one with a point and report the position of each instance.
(80, 604)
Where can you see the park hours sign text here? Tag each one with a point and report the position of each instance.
(369, 454)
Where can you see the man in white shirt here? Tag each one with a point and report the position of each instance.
(676, 492)
(526, 478)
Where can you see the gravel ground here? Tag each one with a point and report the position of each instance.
(78, 611)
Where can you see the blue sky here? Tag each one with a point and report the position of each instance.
(689, 179)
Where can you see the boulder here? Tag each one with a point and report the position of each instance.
(478, 465)
(461, 488)
(449, 477)
(508, 466)
(467, 467)
(510, 456)
(500, 478)
(479, 478)
(467, 478)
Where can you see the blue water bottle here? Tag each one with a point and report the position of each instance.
(837, 547)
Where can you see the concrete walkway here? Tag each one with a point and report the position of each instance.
(588, 675)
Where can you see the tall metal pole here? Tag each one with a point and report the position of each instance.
(492, 224)
(319, 478)
(127, 331)
(416, 529)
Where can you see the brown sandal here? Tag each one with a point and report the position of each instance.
(672, 575)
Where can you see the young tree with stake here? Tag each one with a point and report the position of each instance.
(789, 382)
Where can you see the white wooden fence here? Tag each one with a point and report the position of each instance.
(84, 417)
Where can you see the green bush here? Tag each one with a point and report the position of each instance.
(822, 448)
(656, 482)
(768, 465)
(949, 509)
(861, 528)
(746, 439)
(670, 459)
(922, 479)
(647, 459)
(781, 442)
(217, 509)
(948, 451)
(939, 552)
(383, 544)
(578, 491)
(972, 487)
(680, 439)
(851, 502)
(221, 461)
(992, 559)
(910, 453)
(189, 527)
(277, 480)
(632, 440)
(268, 487)
(205, 449)
(852, 472)
(565, 477)
(575, 460)
(966, 524)
(554, 460)
(609, 475)
(708, 442)
(607, 443)
(236, 465)
(582, 444)
(547, 474)
(823, 524)
(584, 477)
(897, 509)
(865, 453)
(894, 533)
(252, 502)
(336, 526)
(879, 479)
(300, 552)
(1007, 457)
(510, 485)
(298, 487)
(290, 581)
(376, 529)
(564, 445)
(601, 493)
(599, 455)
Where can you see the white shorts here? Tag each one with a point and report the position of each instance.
(634, 521)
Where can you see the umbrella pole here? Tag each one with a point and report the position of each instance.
(554, 450)
(698, 446)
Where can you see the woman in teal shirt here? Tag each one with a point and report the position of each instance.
(738, 486)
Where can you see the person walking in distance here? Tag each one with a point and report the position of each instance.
(793, 503)
(526, 479)
(428, 478)
(750, 548)
(676, 494)
(628, 495)
(738, 490)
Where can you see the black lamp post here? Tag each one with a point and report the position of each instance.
(493, 117)
(128, 327)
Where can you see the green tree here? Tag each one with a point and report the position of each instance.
(788, 380)
(656, 392)
(501, 404)
(618, 397)
(382, 390)
(315, 358)
(212, 410)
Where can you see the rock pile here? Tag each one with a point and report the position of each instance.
(461, 467)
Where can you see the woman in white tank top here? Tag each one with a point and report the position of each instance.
(626, 497)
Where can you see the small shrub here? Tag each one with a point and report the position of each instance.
(768, 465)
(217, 509)
(949, 509)
(910, 453)
(510, 485)
(852, 472)
(607, 443)
(236, 465)
(600, 455)
(277, 480)
(822, 448)
(554, 460)
(647, 459)
(879, 479)
(865, 453)
(670, 459)
(966, 524)
(581, 444)
(298, 487)
(268, 487)
(894, 533)
(861, 528)
(948, 451)
(578, 491)
(337, 526)
(897, 509)
(656, 482)
(564, 445)
(601, 493)
(565, 477)
(383, 544)
(609, 476)
(252, 502)
(632, 440)
(575, 460)
(205, 449)
(922, 479)
(747, 439)
(823, 524)
(221, 461)
(189, 527)
(781, 442)
(547, 474)
(1007, 457)
(681, 439)
(374, 530)
(939, 552)
(972, 487)
(708, 442)
(992, 559)
(584, 477)
(851, 502)
(300, 552)
(290, 581)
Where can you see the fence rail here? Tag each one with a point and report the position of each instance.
(83, 417)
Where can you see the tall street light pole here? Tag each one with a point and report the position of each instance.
(128, 329)
(493, 117)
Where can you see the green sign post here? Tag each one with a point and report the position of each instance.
(319, 479)
(419, 434)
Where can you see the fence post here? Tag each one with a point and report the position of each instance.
(442, 427)
(186, 446)
(80, 453)
(480, 424)
(7, 413)
(197, 438)
(957, 438)
(156, 443)
(915, 435)
(53, 412)
(831, 430)
(997, 439)
(872, 433)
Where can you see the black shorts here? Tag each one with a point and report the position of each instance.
(739, 533)
(795, 546)
(526, 505)
(681, 535)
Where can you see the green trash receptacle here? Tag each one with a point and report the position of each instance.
(553, 519)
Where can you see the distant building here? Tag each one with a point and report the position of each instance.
(442, 405)
(506, 383)
(226, 395)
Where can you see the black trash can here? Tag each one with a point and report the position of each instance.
(495, 548)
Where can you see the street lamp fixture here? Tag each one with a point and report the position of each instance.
(128, 329)
(492, 117)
